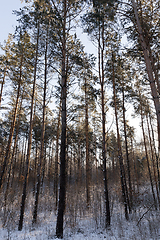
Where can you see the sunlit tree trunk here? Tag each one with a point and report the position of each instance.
(153, 159)
(149, 67)
(155, 152)
(2, 84)
(41, 160)
(11, 162)
(146, 152)
(22, 206)
(8, 149)
(120, 157)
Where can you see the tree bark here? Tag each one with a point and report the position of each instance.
(120, 157)
(41, 160)
(101, 78)
(20, 225)
(87, 147)
(62, 191)
(3, 80)
(127, 154)
(57, 157)
(135, 165)
(7, 154)
(11, 162)
(155, 152)
(146, 152)
(148, 66)
(153, 159)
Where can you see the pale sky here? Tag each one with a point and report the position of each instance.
(8, 23)
(7, 18)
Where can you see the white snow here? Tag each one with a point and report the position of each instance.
(88, 225)
(86, 229)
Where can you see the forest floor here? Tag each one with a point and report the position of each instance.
(143, 223)
(85, 229)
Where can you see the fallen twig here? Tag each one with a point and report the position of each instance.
(145, 213)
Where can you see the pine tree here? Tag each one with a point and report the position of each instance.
(17, 61)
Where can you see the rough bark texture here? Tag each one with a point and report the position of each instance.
(7, 154)
(42, 140)
(20, 225)
(101, 78)
(11, 163)
(62, 190)
(120, 157)
(149, 67)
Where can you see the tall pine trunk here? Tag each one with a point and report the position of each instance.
(155, 152)
(11, 163)
(62, 190)
(8, 149)
(135, 165)
(2, 84)
(41, 160)
(120, 157)
(153, 159)
(149, 67)
(126, 146)
(87, 147)
(101, 79)
(57, 156)
(146, 152)
(22, 206)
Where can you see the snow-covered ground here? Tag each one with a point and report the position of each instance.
(86, 228)
(81, 223)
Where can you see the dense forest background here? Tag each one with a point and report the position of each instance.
(67, 141)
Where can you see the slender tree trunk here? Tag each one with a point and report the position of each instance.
(44, 166)
(87, 147)
(24, 156)
(101, 78)
(35, 167)
(41, 160)
(21, 159)
(29, 140)
(57, 156)
(70, 163)
(62, 191)
(79, 156)
(11, 163)
(120, 157)
(148, 165)
(127, 154)
(95, 146)
(135, 165)
(148, 66)
(153, 159)
(155, 152)
(3, 80)
(7, 154)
